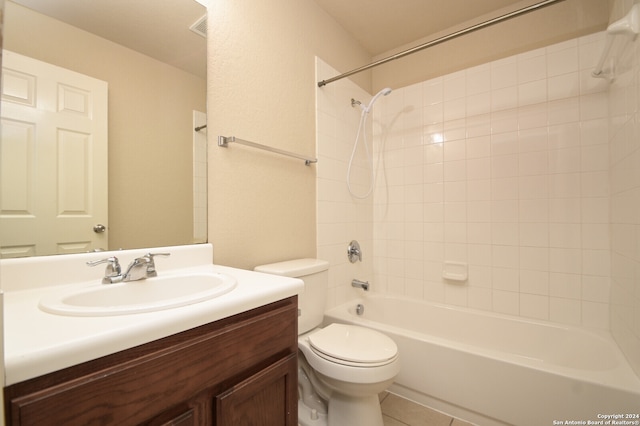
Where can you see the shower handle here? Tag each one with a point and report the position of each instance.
(353, 252)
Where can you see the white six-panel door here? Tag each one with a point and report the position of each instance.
(53, 159)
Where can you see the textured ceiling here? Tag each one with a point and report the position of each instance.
(159, 29)
(382, 25)
(379, 25)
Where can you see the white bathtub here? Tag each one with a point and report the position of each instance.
(493, 369)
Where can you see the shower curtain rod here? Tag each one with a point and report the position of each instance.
(441, 40)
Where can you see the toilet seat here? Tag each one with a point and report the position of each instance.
(353, 346)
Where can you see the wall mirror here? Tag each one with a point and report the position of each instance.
(152, 56)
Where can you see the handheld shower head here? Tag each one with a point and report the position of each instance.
(383, 92)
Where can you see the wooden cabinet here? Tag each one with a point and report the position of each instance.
(240, 370)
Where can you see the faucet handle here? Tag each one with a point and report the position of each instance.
(158, 254)
(151, 266)
(113, 269)
(353, 252)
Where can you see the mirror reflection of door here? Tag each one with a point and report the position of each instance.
(54, 123)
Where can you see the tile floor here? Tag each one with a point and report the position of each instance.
(397, 411)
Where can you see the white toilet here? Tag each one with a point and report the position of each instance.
(341, 368)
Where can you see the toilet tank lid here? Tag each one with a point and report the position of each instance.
(294, 268)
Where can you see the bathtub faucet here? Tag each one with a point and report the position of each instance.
(361, 284)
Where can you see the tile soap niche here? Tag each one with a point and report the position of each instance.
(455, 271)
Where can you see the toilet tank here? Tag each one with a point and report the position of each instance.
(315, 274)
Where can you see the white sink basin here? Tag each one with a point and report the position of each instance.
(152, 294)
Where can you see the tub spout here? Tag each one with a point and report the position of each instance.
(360, 284)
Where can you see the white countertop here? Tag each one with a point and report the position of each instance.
(37, 342)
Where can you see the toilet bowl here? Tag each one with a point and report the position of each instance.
(342, 368)
(353, 364)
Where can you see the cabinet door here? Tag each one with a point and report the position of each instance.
(267, 398)
(192, 413)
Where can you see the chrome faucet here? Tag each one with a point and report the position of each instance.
(360, 284)
(112, 273)
(139, 269)
(353, 252)
(147, 260)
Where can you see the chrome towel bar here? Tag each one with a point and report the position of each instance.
(223, 141)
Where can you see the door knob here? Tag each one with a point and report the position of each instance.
(99, 228)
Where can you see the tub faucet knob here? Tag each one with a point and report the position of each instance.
(353, 252)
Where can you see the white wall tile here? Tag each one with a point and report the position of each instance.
(534, 234)
(596, 289)
(455, 86)
(480, 298)
(479, 210)
(433, 91)
(565, 235)
(504, 73)
(562, 61)
(533, 163)
(564, 86)
(533, 92)
(455, 191)
(565, 311)
(534, 306)
(477, 104)
(595, 315)
(504, 98)
(532, 67)
(504, 166)
(565, 285)
(478, 190)
(478, 79)
(480, 254)
(455, 150)
(533, 210)
(506, 302)
(534, 187)
(565, 260)
(504, 256)
(534, 258)
(534, 282)
(516, 167)
(564, 185)
(564, 110)
(564, 160)
(504, 211)
(595, 210)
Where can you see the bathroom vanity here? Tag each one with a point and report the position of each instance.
(239, 370)
(227, 361)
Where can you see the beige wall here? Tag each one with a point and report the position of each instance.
(545, 26)
(150, 120)
(261, 88)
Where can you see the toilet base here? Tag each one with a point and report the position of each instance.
(309, 416)
(349, 411)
